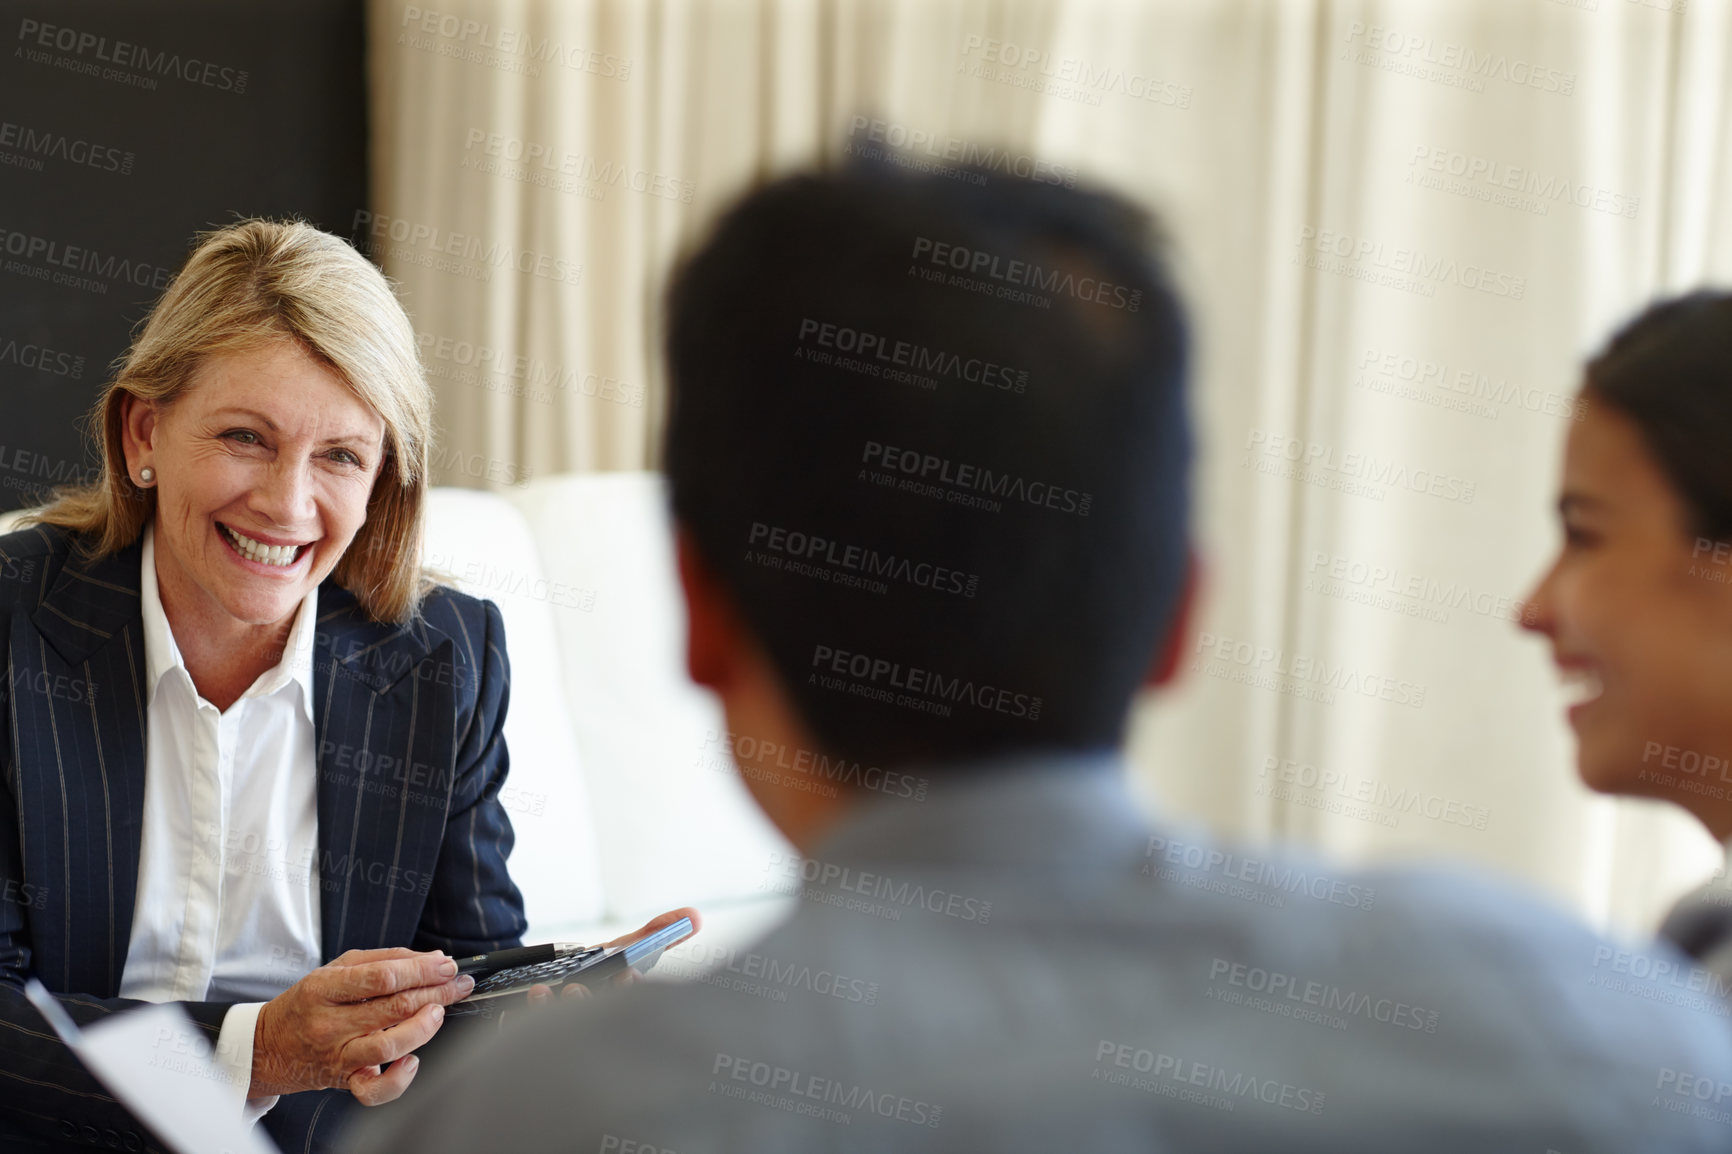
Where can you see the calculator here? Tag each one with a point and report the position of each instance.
(590, 967)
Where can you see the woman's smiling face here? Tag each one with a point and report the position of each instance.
(1639, 613)
(263, 466)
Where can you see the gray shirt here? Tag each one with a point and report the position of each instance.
(1701, 926)
(1019, 962)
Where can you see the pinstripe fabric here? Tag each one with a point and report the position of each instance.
(412, 837)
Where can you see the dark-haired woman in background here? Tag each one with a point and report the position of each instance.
(1638, 604)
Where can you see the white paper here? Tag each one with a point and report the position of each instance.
(156, 1063)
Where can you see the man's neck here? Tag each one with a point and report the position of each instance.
(805, 817)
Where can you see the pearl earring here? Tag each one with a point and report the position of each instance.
(147, 474)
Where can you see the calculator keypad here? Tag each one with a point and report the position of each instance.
(549, 973)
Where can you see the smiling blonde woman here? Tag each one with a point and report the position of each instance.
(260, 285)
(220, 815)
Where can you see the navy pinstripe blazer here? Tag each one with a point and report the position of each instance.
(412, 836)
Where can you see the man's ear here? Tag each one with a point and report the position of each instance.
(1172, 648)
(712, 627)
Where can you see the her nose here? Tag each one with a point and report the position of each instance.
(285, 494)
(1539, 609)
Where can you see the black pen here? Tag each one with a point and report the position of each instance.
(521, 956)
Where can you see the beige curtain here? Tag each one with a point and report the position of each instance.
(1401, 226)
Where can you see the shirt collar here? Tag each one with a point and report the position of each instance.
(162, 656)
(1070, 809)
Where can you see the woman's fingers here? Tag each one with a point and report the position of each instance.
(661, 921)
(366, 979)
(381, 1013)
(374, 1087)
(358, 957)
(394, 1042)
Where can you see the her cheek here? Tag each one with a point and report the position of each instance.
(1571, 604)
(341, 491)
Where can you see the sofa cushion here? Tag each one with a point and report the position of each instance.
(483, 542)
(676, 827)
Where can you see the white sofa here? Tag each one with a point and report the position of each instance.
(621, 792)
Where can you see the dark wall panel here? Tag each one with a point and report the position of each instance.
(125, 129)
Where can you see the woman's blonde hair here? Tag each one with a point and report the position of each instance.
(249, 285)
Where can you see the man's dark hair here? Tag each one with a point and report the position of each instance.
(1670, 371)
(931, 436)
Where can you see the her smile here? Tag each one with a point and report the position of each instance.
(261, 552)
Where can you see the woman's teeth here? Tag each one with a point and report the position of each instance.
(277, 555)
(1581, 686)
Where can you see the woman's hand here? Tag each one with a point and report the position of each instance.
(540, 995)
(354, 1024)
